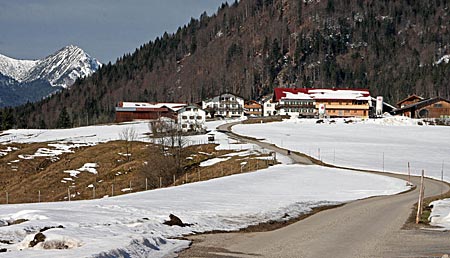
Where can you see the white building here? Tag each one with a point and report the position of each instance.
(191, 118)
(268, 106)
(224, 105)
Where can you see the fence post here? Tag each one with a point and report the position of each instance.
(39, 196)
(420, 203)
(93, 192)
(173, 179)
(7, 198)
(160, 182)
(112, 190)
(146, 184)
(68, 193)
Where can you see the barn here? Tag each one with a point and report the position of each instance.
(129, 111)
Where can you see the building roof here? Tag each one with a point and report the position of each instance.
(418, 105)
(410, 98)
(188, 106)
(217, 97)
(323, 94)
(253, 104)
(146, 105)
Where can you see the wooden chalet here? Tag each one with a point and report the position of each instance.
(252, 108)
(427, 108)
(409, 101)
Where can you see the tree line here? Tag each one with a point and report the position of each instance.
(251, 46)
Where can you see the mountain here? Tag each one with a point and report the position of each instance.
(64, 67)
(392, 48)
(31, 80)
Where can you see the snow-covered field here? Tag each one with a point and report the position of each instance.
(383, 144)
(131, 225)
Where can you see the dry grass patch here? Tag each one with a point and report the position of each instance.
(44, 178)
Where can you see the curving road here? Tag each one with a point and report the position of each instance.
(365, 228)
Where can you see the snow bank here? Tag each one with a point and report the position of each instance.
(132, 224)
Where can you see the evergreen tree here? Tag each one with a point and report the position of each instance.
(63, 119)
(7, 119)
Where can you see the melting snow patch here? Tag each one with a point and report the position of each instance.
(213, 161)
(444, 59)
(89, 167)
(73, 173)
(26, 156)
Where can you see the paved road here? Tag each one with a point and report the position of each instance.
(364, 228)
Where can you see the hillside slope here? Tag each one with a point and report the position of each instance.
(252, 46)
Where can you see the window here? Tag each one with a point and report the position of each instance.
(191, 117)
(195, 109)
(184, 125)
(268, 105)
(188, 109)
(184, 117)
(199, 117)
(438, 105)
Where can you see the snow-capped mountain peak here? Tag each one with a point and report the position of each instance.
(16, 69)
(64, 67)
(59, 69)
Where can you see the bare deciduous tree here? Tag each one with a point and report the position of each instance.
(129, 135)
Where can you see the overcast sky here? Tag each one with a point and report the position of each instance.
(105, 29)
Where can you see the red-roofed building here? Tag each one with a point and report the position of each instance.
(303, 102)
(129, 111)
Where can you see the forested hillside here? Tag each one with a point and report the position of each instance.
(249, 47)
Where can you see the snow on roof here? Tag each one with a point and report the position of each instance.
(339, 94)
(172, 106)
(298, 95)
(301, 93)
